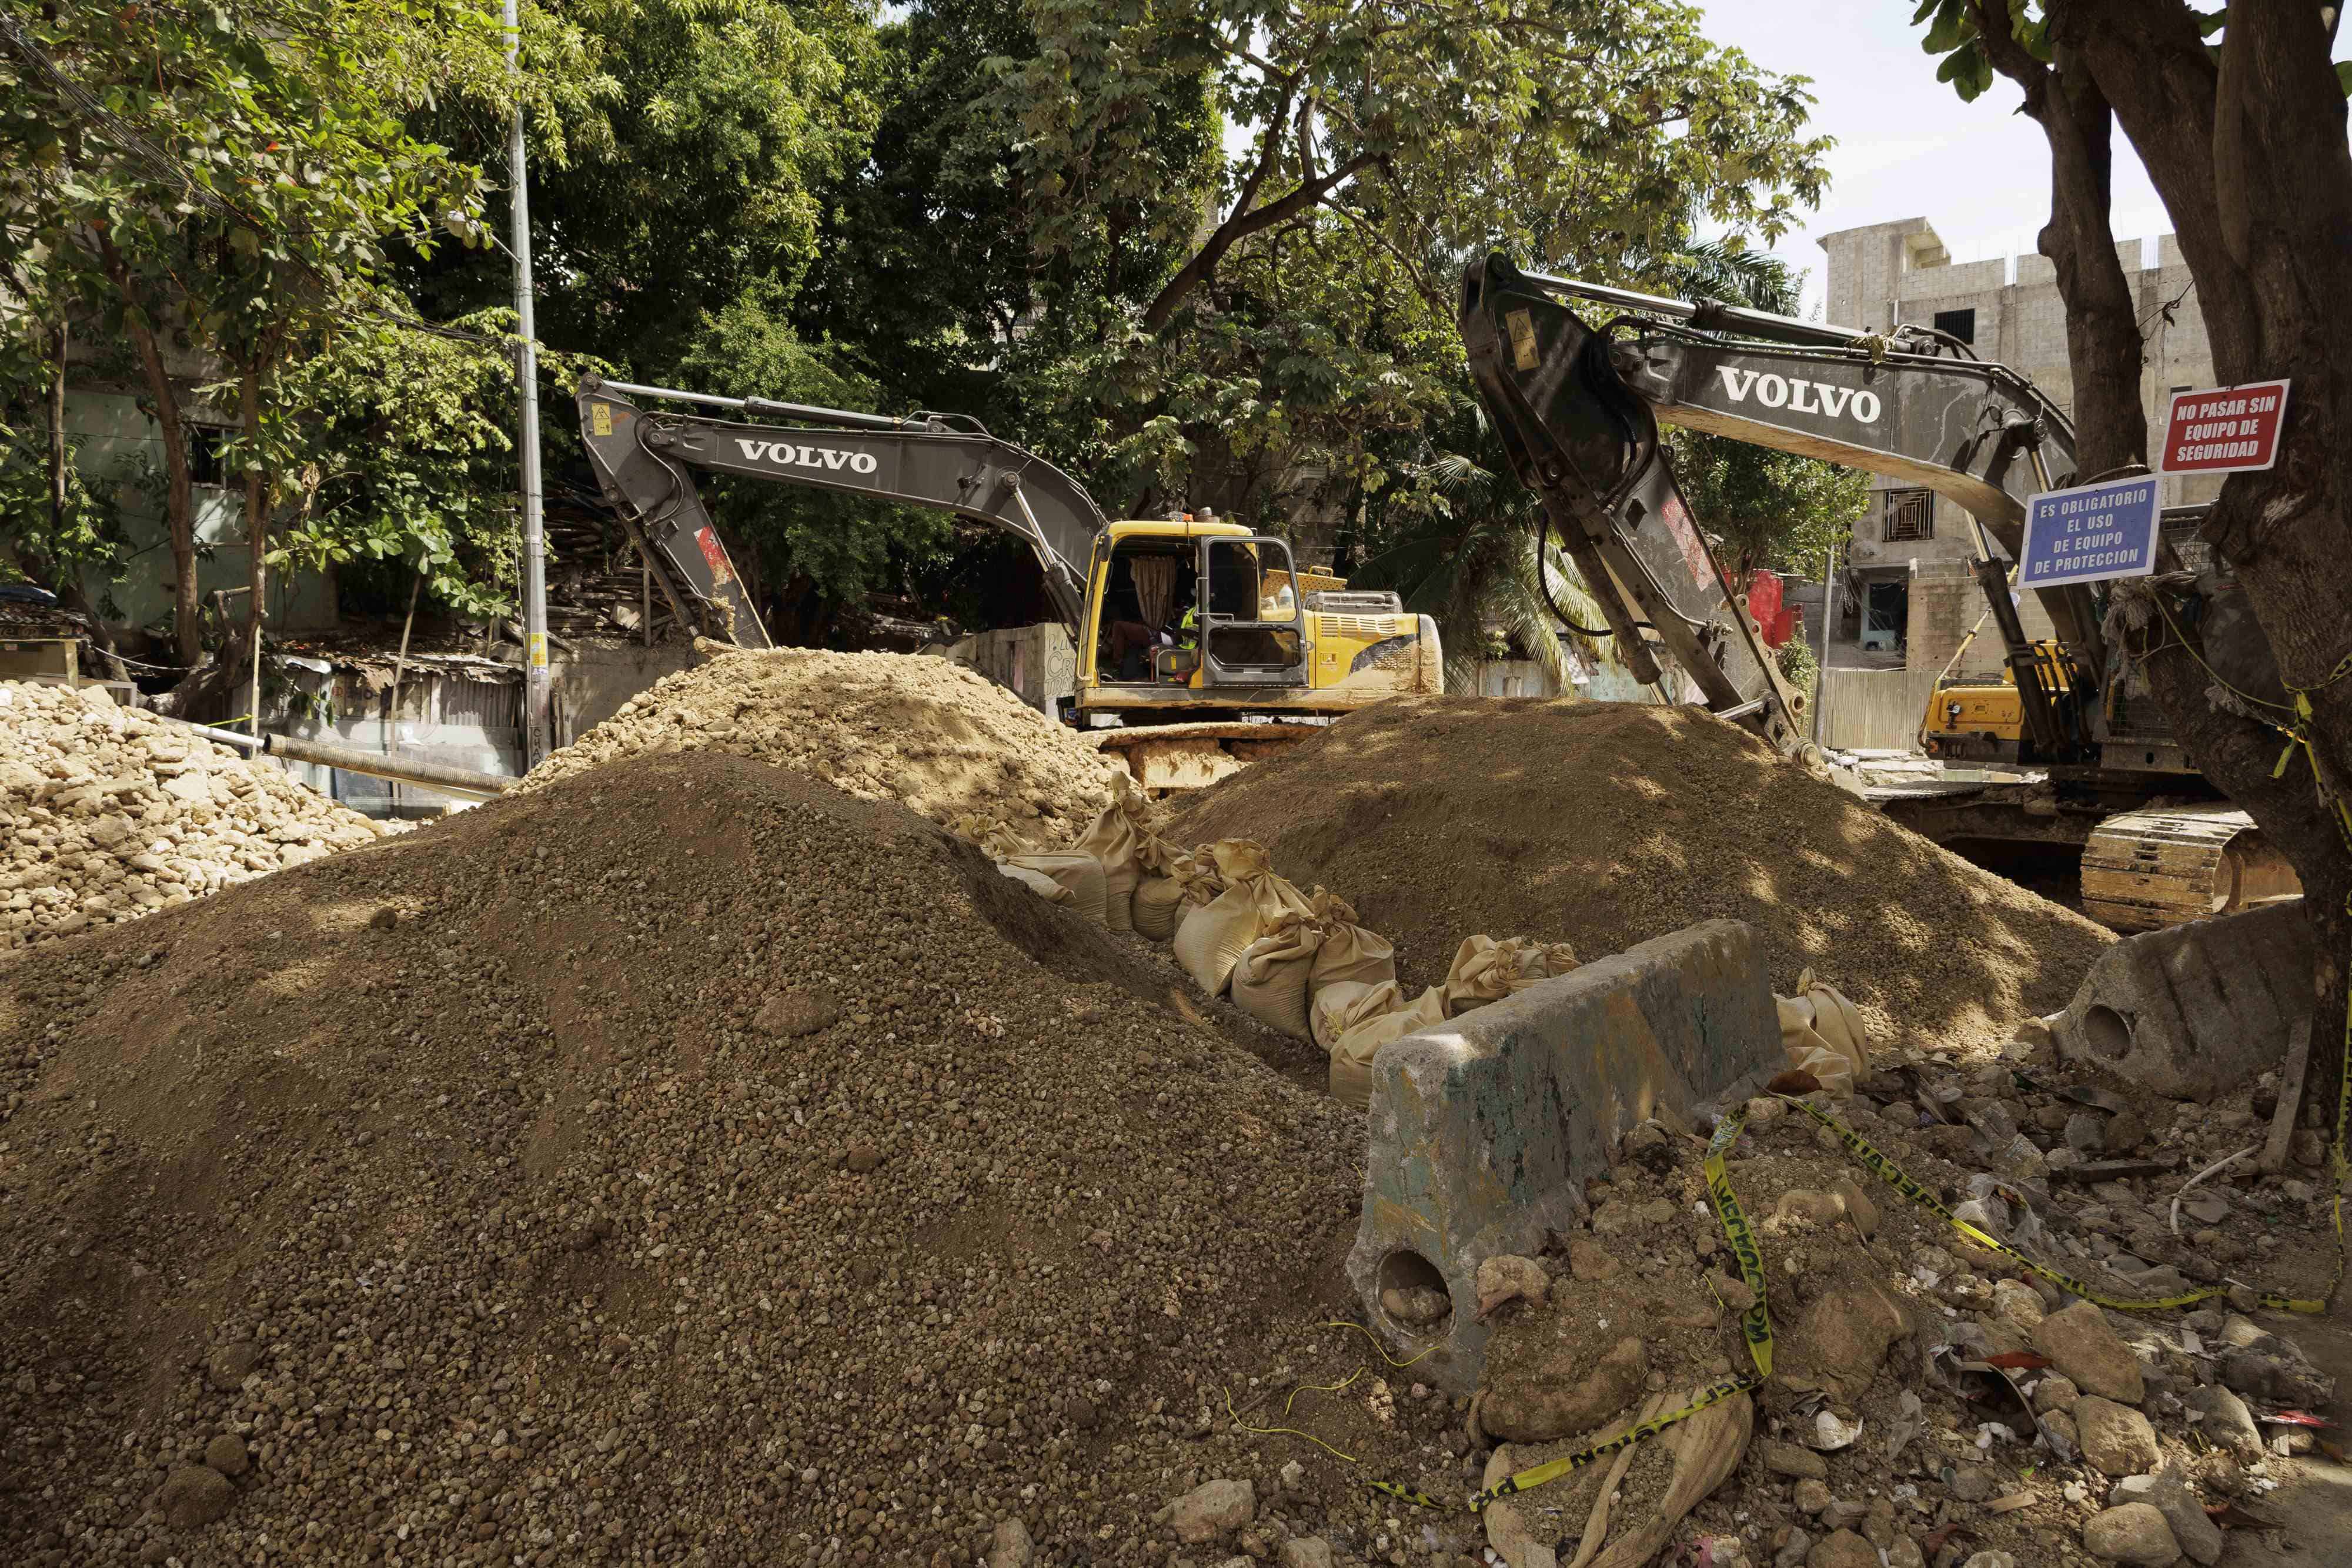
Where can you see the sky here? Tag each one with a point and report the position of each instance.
(1906, 145)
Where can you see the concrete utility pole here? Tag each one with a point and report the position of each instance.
(1829, 634)
(537, 689)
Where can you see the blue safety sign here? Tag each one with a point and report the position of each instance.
(2091, 532)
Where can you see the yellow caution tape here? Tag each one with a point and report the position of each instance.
(1893, 1174)
(1552, 1469)
(1756, 1323)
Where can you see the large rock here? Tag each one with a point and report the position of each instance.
(2192, 1527)
(2089, 1355)
(1010, 1546)
(1537, 1400)
(1844, 1335)
(2226, 1422)
(1842, 1549)
(2135, 1535)
(2272, 1371)
(1213, 1507)
(194, 1495)
(2116, 1437)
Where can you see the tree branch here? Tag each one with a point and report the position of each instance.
(1244, 224)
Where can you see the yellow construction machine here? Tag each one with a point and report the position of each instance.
(2065, 750)
(1200, 645)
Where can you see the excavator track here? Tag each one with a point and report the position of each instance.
(1163, 759)
(2147, 869)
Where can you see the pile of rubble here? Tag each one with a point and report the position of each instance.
(108, 814)
(683, 1162)
(1932, 1403)
(935, 737)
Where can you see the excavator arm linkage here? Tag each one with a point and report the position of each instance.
(645, 459)
(1589, 448)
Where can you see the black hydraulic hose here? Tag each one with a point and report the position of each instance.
(1543, 583)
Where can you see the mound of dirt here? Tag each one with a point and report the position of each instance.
(680, 1163)
(1604, 824)
(882, 726)
(107, 814)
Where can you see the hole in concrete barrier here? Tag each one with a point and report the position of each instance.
(1414, 1298)
(2109, 1033)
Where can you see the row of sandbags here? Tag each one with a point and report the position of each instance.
(1302, 963)
(1297, 962)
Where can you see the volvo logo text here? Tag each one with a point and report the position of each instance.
(1798, 396)
(784, 454)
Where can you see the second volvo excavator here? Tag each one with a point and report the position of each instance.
(1579, 408)
(1200, 644)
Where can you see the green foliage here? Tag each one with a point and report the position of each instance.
(401, 455)
(1798, 667)
(838, 545)
(1768, 508)
(247, 170)
(1952, 36)
(51, 551)
(1588, 127)
(1458, 544)
(679, 148)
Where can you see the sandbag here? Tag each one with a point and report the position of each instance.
(1082, 875)
(997, 840)
(1823, 1034)
(1349, 954)
(1174, 880)
(1333, 1009)
(1485, 970)
(1352, 1054)
(1037, 882)
(1116, 838)
(1269, 981)
(1211, 940)
(1154, 908)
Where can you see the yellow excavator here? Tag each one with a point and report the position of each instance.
(1200, 645)
(2067, 747)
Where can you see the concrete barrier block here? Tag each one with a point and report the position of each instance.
(1485, 1128)
(2194, 1010)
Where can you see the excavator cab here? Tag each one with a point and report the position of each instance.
(1247, 637)
(1196, 604)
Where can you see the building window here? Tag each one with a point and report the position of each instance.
(1910, 516)
(205, 444)
(1961, 324)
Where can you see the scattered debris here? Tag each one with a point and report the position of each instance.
(108, 814)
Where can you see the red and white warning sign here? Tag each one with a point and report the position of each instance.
(2223, 430)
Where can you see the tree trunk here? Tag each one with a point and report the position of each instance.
(2268, 240)
(179, 504)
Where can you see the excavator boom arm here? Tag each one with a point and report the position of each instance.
(645, 459)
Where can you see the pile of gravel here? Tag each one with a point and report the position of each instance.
(108, 814)
(683, 1163)
(1605, 824)
(938, 737)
